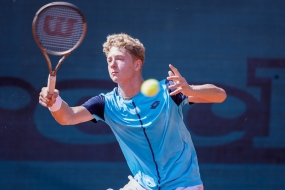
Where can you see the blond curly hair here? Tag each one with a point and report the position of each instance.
(132, 45)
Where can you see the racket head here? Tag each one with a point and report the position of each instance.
(58, 28)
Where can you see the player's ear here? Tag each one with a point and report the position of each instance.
(138, 65)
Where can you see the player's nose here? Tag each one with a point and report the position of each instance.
(112, 64)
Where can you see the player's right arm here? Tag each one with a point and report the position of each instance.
(65, 115)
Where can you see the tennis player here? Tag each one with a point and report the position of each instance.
(150, 130)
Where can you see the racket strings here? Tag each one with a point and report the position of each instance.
(59, 28)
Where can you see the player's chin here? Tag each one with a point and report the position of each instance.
(115, 79)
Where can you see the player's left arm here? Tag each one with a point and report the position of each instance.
(206, 93)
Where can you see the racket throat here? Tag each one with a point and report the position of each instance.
(53, 73)
(60, 62)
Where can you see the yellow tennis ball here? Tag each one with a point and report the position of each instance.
(150, 87)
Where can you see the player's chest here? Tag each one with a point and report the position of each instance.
(140, 112)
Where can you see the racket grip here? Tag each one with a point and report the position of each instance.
(51, 83)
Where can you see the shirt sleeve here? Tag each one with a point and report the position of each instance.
(178, 98)
(95, 106)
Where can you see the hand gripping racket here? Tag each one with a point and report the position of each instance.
(58, 29)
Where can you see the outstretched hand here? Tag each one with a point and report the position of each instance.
(180, 83)
(46, 99)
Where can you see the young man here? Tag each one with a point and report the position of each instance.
(150, 130)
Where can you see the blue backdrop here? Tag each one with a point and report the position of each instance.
(238, 45)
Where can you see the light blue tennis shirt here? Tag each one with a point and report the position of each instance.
(152, 135)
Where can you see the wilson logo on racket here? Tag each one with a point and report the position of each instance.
(59, 23)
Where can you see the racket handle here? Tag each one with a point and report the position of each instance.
(51, 83)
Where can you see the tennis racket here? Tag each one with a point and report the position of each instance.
(58, 28)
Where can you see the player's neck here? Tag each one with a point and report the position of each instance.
(131, 88)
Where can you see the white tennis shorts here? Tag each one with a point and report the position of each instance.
(134, 185)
